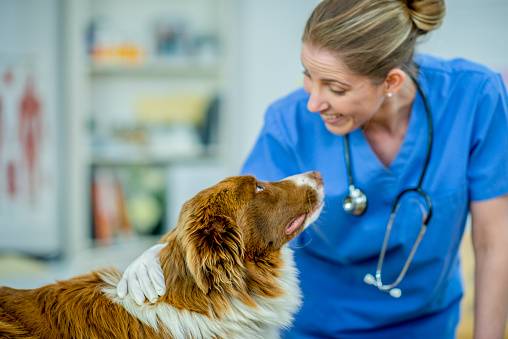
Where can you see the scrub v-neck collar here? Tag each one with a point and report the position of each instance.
(363, 153)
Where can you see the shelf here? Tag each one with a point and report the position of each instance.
(150, 160)
(139, 103)
(155, 69)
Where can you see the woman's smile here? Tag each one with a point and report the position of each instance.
(336, 119)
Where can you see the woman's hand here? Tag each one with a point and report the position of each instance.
(143, 277)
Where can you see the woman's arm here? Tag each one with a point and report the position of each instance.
(490, 243)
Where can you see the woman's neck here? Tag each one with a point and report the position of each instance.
(393, 116)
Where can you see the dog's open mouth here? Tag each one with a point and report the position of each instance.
(295, 223)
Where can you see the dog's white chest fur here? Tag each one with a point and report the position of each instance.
(242, 321)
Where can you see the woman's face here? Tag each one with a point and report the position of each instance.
(345, 101)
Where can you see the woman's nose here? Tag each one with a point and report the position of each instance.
(316, 102)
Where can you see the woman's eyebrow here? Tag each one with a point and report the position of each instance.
(327, 80)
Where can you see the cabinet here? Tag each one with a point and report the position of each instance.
(147, 87)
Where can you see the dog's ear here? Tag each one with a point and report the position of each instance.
(214, 252)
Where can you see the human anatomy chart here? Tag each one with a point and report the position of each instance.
(28, 152)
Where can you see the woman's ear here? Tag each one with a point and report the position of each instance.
(394, 81)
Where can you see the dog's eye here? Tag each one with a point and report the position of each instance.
(259, 188)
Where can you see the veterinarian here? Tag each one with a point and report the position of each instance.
(408, 145)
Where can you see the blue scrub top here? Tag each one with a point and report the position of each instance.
(469, 162)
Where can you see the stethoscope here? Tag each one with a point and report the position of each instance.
(355, 203)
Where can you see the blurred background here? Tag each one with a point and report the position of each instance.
(114, 112)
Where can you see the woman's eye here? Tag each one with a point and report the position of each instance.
(337, 91)
(259, 188)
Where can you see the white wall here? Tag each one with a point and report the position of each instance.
(269, 44)
(476, 30)
(269, 64)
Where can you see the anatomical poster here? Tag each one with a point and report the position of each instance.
(29, 130)
(28, 191)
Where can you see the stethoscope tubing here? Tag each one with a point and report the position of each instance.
(377, 279)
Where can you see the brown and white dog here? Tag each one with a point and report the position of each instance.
(228, 272)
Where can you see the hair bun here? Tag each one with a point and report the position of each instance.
(427, 15)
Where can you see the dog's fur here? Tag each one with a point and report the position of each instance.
(228, 272)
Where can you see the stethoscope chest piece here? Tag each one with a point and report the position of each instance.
(355, 202)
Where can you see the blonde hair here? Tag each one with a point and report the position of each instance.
(373, 36)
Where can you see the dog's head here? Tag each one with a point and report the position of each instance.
(241, 219)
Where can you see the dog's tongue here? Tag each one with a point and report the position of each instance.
(293, 225)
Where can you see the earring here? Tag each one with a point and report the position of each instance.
(389, 94)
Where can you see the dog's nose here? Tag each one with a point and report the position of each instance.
(317, 177)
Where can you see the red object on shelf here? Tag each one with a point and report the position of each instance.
(109, 208)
